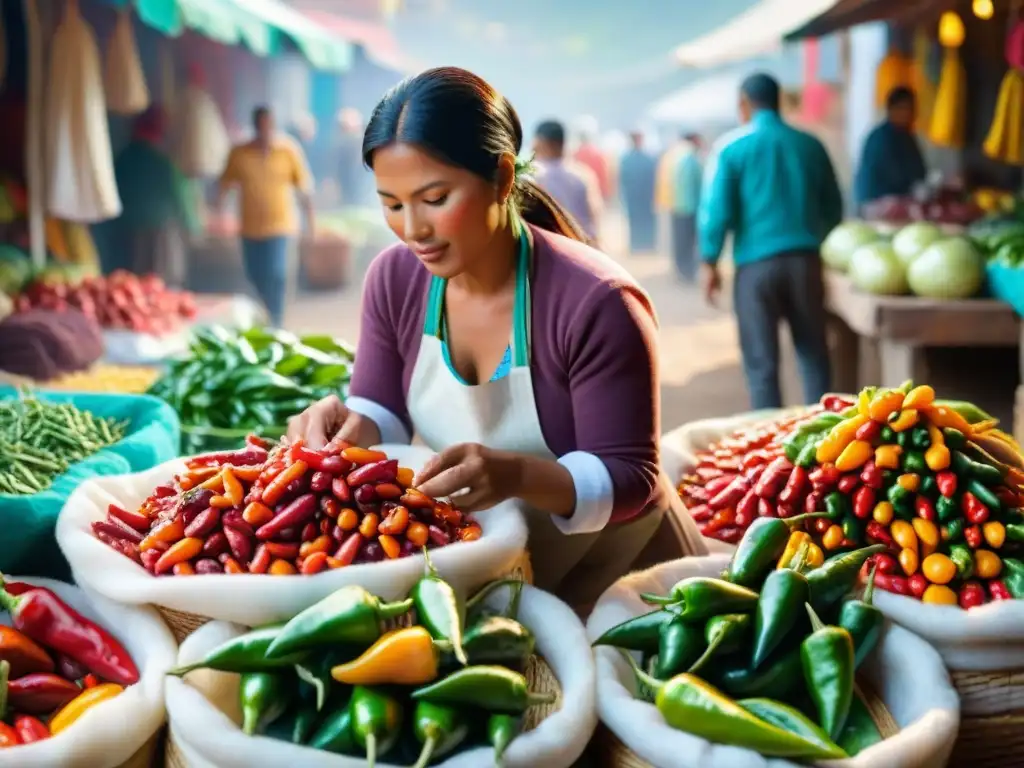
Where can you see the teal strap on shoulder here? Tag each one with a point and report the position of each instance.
(521, 311)
(435, 307)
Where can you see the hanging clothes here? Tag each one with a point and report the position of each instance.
(80, 164)
(123, 80)
(203, 139)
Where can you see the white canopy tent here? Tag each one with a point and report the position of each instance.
(709, 101)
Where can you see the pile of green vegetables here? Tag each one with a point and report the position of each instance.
(40, 440)
(233, 383)
(763, 658)
(356, 676)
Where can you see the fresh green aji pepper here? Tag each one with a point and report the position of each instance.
(837, 505)
(792, 721)
(245, 653)
(498, 640)
(1013, 577)
(833, 580)
(376, 721)
(701, 597)
(439, 728)
(264, 697)
(863, 621)
(640, 633)
(828, 662)
(502, 729)
(779, 607)
(679, 646)
(350, 615)
(947, 509)
(724, 634)
(492, 688)
(760, 548)
(336, 734)
(860, 731)
(777, 678)
(438, 609)
(963, 559)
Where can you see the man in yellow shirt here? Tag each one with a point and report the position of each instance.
(267, 170)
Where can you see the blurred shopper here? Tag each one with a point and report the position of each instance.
(159, 208)
(268, 171)
(686, 180)
(573, 186)
(527, 360)
(590, 155)
(891, 162)
(637, 173)
(353, 177)
(773, 187)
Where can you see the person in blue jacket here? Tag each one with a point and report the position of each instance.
(775, 190)
(891, 162)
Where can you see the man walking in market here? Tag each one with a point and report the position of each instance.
(774, 189)
(269, 171)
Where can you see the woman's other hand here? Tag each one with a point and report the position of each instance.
(328, 419)
(489, 477)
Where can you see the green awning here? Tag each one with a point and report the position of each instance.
(263, 26)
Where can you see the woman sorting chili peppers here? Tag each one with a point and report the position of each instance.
(526, 359)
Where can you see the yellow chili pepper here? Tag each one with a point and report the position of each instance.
(888, 456)
(909, 561)
(943, 418)
(904, 420)
(81, 704)
(980, 427)
(884, 403)
(882, 513)
(864, 402)
(836, 441)
(909, 482)
(903, 534)
(815, 557)
(936, 594)
(987, 565)
(400, 657)
(833, 537)
(854, 456)
(994, 533)
(919, 397)
(927, 535)
(796, 540)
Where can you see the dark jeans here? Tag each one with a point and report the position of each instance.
(785, 287)
(266, 266)
(684, 245)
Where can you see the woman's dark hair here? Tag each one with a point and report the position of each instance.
(461, 120)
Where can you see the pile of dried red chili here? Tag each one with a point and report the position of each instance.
(747, 475)
(55, 665)
(283, 511)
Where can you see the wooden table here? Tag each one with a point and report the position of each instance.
(902, 327)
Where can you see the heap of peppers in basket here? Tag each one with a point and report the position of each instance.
(932, 480)
(353, 675)
(764, 657)
(284, 511)
(55, 665)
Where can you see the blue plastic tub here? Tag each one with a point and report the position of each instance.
(1007, 284)
(27, 545)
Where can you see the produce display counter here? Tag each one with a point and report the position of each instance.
(902, 327)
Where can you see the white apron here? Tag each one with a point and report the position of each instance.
(502, 415)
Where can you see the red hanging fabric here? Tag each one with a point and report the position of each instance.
(817, 96)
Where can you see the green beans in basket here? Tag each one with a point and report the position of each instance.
(40, 440)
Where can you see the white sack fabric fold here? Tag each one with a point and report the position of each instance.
(203, 139)
(123, 78)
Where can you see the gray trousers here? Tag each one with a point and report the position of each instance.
(684, 245)
(787, 287)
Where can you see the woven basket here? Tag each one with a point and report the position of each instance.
(612, 753)
(540, 679)
(992, 719)
(183, 624)
(146, 755)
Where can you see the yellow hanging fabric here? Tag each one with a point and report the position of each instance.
(923, 86)
(949, 116)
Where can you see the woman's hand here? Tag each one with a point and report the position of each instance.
(489, 477)
(329, 419)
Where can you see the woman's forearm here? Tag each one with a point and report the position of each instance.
(545, 485)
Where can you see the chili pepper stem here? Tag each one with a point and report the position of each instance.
(653, 599)
(540, 698)
(489, 589)
(307, 676)
(644, 679)
(869, 588)
(388, 611)
(816, 622)
(371, 750)
(704, 657)
(8, 602)
(5, 673)
(426, 753)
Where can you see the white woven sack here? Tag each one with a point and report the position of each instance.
(906, 672)
(131, 348)
(113, 731)
(204, 712)
(251, 599)
(203, 144)
(124, 82)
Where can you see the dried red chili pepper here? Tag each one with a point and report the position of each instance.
(753, 459)
(134, 520)
(824, 478)
(731, 495)
(773, 479)
(718, 484)
(47, 619)
(701, 513)
(863, 502)
(746, 510)
(796, 487)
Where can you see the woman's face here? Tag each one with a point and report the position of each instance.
(446, 215)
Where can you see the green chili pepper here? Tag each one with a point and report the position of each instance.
(438, 609)
(376, 721)
(947, 509)
(853, 528)
(760, 548)
(965, 467)
(913, 461)
(963, 559)
(919, 438)
(972, 414)
(860, 731)
(304, 722)
(985, 496)
(336, 734)
(439, 729)
(806, 457)
(831, 582)
(489, 687)
(690, 704)
(701, 597)
(837, 505)
(779, 608)
(679, 646)
(477, 609)
(777, 677)
(828, 662)
(954, 439)
(792, 721)
(1013, 577)
(350, 615)
(1015, 531)
(497, 640)
(954, 531)
(264, 697)
(887, 436)
(316, 672)
(903, 440)
(929, 487)
(724, 634)
(863, 621)
(245, 653)
(502, 729)
(640, 633)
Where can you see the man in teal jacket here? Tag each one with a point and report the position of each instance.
(773, 187)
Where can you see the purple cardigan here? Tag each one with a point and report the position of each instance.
(594, 357)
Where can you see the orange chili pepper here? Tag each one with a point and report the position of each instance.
(363, 455)
(319, 544)
(183, 569)
(215, 483)
(405, 476)
(396, 522)
(416, 500)
(166, 533)
(185, 484)
(333, 562)
(232, 488)
(388, 491)
(232, 566)
(247, 474)
(417, 533)
(184, 550)
(282, 568)
(201, 474)
(221, 502)
(390, 546)
(470, 533)
(348, 520)
(283, 550)
(273, 492)
(314, 563)
(256, 514)
(260, 560)
(368, 526)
